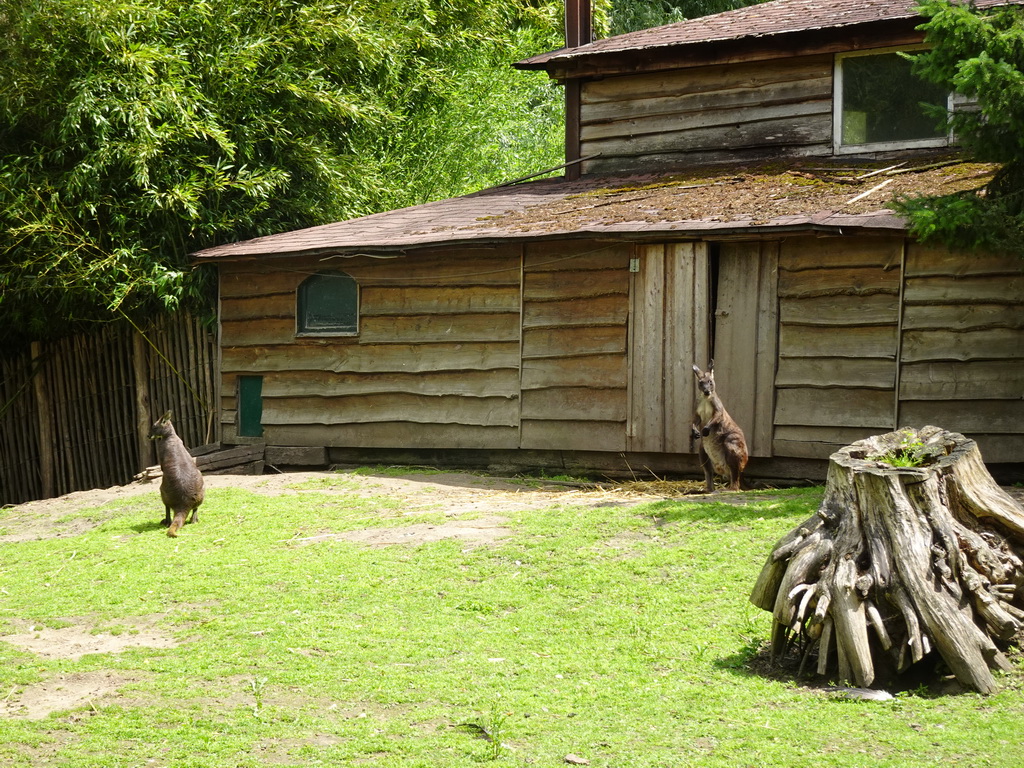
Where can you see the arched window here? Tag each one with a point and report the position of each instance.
(328, 305)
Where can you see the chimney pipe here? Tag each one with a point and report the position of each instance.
(578, 23)
(578, 31)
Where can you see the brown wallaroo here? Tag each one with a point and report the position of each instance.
(181, 488)
(722, 448)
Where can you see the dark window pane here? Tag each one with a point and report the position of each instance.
(882, 101)
(328, 303)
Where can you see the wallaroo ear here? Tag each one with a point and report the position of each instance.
(711, 366)
(696, 370)
(165, 418)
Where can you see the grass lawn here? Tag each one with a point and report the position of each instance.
(620, 635)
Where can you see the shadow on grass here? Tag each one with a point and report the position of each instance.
(147, 526)
(736, 507)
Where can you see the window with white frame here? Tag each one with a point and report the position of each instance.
(880, 104)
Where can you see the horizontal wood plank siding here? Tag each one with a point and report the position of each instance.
(575, 313)
(839, 312)
(963, 347)
(671, 119)
(435, 362)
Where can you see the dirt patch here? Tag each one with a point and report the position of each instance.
(453, 494)
(61, 693)
(76, 641)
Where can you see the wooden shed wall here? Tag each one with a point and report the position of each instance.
(487, 348)
(862, 319)
(544, 347)
(839, 302)
(962, 352)
(575, 315)
(436, 361)
(675, 119)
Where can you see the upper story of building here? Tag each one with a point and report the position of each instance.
(783, 79)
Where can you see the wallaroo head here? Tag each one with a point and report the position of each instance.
(162, 427)
(705, 379)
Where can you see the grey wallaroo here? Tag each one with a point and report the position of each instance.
(181, 488)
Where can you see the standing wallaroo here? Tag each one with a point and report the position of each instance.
(722, 448)
(181, 488)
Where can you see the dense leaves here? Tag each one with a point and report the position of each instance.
(133, 132)
(979, 55)
(631, 15)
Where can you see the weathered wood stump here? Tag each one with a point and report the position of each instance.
(899, 561)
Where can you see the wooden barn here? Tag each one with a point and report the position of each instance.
(724, 197)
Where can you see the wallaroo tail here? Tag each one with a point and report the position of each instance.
(182, 486)
(722, 448)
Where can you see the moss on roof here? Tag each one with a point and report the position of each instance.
(755, 195)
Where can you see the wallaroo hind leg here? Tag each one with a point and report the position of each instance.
(181, 518)
(736, 460)
(167, 516)
(709, 472)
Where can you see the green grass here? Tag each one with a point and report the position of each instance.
(622, 635)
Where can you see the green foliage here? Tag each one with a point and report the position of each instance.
(980, 55)
(909, 453)
(632, 15)
(133, 132)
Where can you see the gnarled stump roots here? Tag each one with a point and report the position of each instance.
(898, 561)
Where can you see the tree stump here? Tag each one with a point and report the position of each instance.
(899, 561)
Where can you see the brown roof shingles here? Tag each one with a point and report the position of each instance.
(779, 17)
(645, 207)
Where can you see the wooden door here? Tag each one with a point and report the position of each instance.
(688, 307)
(746, 338)
(668, 331)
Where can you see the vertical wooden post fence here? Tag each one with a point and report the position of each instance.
(75, 413)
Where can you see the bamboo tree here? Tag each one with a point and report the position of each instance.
(133, 132)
